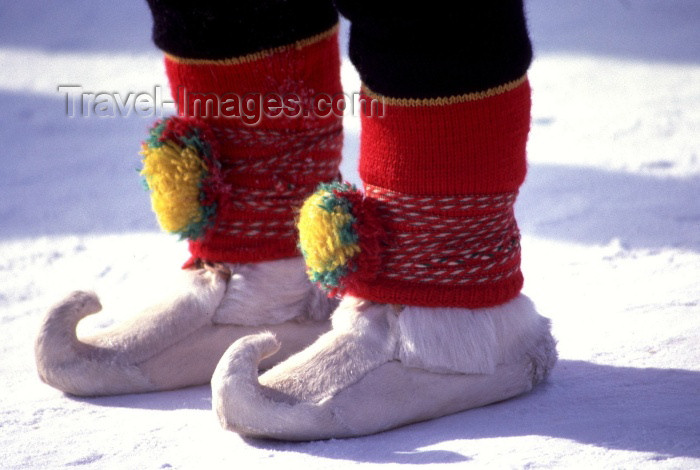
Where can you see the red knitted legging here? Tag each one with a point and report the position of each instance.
(444, 174)
(270, 167)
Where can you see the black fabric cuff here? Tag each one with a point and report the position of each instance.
(215, 29)
(432, 49)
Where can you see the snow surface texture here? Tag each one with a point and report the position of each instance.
(610, 216)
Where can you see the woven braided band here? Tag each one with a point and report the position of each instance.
(222, 204)
(233, 187)
(249, 210)
(449, 251)
(446, 250)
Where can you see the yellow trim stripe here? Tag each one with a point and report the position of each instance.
(447, 100)
(257, 55)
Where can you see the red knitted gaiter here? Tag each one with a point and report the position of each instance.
(443, 174)
(271, 148)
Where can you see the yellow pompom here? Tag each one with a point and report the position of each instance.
(174, 176)
(326, 235)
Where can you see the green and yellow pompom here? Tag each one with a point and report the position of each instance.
(180, 171)
(331, 225)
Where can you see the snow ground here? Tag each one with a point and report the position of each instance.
(610, 216)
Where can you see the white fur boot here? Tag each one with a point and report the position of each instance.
(179, 342)
(383, 366)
